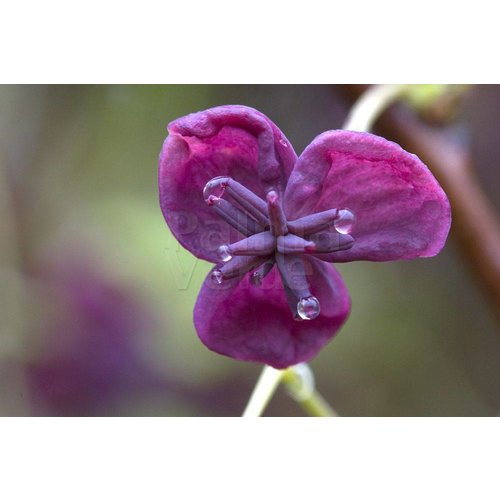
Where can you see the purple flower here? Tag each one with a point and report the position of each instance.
(233, 192)
(93, 357)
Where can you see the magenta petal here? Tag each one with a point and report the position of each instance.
(234, 141)
(252, 323)
(401, 211)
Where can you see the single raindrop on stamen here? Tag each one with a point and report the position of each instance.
(224, 253)
(344, 222)
(308, 308)
(214, 187)
(216, 277)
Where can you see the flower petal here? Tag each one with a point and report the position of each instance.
(234, 141)
(253, 323)
(401, 210)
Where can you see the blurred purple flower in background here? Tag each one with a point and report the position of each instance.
(234, 192)
(93, 358)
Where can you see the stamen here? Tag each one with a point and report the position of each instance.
(293, 274)
(292, 244)
(254, 205)
(258, 275)
(238, 266)
(257, 244)
(313, 223)
(292, 302)
(300, 299)
(329, 241)
(277, 217)
(234, 216)
(306, 308)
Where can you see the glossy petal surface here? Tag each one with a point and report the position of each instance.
(234, 141)
(248, 323)
(401, 211)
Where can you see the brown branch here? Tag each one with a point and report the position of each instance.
(475, 225)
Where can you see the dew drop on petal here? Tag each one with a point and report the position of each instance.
(214, 188)
(344, 222)
(308, 308)
(216, 277)
(283, 143)
(224, 253)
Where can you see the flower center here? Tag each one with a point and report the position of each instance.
(270, 239)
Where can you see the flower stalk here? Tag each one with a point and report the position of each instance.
(298, 381)
(263, 392)
(372, 103)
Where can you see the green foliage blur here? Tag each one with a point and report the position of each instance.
(83, 246)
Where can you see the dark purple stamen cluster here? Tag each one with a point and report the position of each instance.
(271, 239)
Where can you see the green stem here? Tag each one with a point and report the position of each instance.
(317, 406)
(299, 382)
(371, 105)
(264, 389)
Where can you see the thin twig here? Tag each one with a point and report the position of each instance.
(370, 105)
(300, 385)
(263, 391)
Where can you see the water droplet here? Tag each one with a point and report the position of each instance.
(308, 308)
(345, 221)
(283, 143)
(224, 253)
(216, 277)
(256, 278)
(214, 188)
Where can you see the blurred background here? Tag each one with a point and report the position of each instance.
(96, 295)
